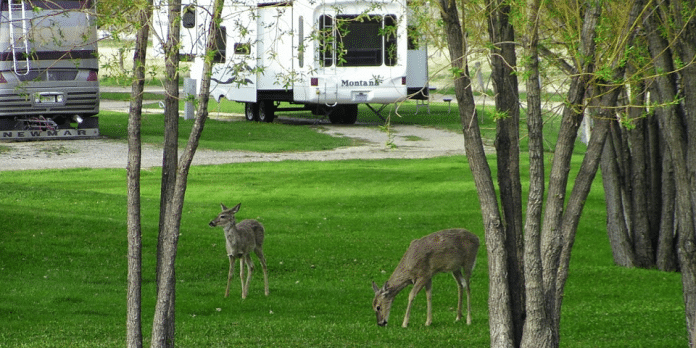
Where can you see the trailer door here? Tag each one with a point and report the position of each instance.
(238, 74)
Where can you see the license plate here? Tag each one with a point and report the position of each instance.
(47, 99)
(360, 97)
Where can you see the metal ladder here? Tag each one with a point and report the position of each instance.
(19, 35)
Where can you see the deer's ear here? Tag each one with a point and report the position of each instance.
(375, 287)
(236, 208)
(223, 206)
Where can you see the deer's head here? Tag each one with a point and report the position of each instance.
(225, 217)
(382, 303)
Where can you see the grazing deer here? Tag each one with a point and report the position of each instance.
(453, 250)
(240, 240)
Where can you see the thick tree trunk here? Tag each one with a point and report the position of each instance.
(674, 127)
(507, 145)
(537, 329)
(500, 318)
(617, 229)
(552, 235)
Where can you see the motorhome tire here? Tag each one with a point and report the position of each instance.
(251, 111)
(266, 112)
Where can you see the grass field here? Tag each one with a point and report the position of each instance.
(332, 227)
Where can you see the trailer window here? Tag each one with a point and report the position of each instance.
(357, 40)
(220, 45)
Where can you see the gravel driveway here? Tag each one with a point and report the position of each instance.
(410, 141)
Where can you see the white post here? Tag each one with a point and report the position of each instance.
(189, 90)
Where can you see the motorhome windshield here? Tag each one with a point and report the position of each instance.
(357, 40)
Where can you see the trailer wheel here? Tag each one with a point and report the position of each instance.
(266, 111)
(350, 113)
(336, 114)
(344, 114)
(251, 111)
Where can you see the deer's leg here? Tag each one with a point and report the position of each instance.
(460, 292)
(229, 275)
(429, 298)
(250, 271)
(262, 259)
(417, 286)
(467, 280)
(241, 276)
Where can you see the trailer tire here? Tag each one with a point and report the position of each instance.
(266, 111)
(350, 113)
(251, 111)
(344, 114)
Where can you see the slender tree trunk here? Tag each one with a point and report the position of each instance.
(170, 153)
(134, 321)
(507, 144)
(164, 309)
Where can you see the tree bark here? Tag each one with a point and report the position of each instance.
(165, 306)
(500, 318)
(617, 229)
(507, 145)
(674, 126)
(134, 337)
(169, 158)
(537, 330)
(552, 234)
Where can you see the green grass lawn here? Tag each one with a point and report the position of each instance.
(332, 227)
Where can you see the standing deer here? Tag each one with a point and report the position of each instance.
(451, 250)
(240, 240)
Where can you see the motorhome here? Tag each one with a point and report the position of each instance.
(326, 56)
(49, 84)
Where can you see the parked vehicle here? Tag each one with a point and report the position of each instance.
(49, 85)
(323, 56)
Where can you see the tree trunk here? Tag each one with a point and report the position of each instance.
(165, 307)
(507, 145)
(537, 329)
(500, 317)
(169, 158)
(617, 229)
(674, 126)
(134, 337)
(551, 233)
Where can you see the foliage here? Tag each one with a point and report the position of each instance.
(332, 228)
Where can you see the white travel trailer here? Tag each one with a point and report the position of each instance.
(326, 56)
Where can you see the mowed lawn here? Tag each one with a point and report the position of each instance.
(331, 229)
